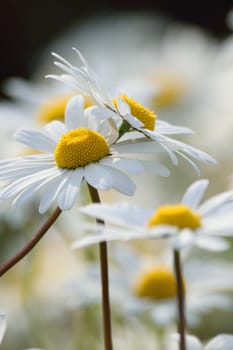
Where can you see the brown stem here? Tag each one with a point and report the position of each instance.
(28, 247)
(104, 281)
(180, 300)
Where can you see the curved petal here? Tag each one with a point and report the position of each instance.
(212, 243)
(74, 113)
(121, 182)
(55, 129)
(194, 193)
(98, 176)
(70, 191)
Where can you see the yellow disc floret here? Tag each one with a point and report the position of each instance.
(156, 283)
(80, 147)
(143, 114)
(176, 214)
(54, 109)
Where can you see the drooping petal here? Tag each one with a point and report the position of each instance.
(98, 176)
(70, 191)
(121, 182)
(211, 243)
(193, 343)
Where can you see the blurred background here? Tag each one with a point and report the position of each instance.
(177, 57)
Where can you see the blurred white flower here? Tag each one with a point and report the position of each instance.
(185, 224)
(220, 342)
(142, 286)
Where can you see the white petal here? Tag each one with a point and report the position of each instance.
(36, 140)
(156, 168)
(3, 325)
(121, 182)
(69, 193)
(98, 176)
(194, 193)
(123, 107)
(137, 146)
(119, 214)
(129, 165)
(221, 342)
(100, 112)
(169, 129)
(214, 204)
(52, 191)
(74, 113)
(211, 243)
(55, 129)
(183, 239)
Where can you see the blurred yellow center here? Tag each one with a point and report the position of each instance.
(156, 283)
(170, 91)
(142, 113)
(176, 214)
(80, 147)
(54, 109)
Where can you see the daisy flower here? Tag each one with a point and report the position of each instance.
(127, 113)
(148, 287)
(81, 148)
(186, 223)
(220, 342)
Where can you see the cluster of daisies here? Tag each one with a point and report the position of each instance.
(102, 142)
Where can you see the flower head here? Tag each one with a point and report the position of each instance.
(185, 223)
(128, 114)
(81, 148)
(220, 342)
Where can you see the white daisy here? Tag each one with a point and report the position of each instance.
(125, 110)
(148, 287)
(185, 223)
(220, 342)
(82, 148)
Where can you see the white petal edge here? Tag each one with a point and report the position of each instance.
(194, 193)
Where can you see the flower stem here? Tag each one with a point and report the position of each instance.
(28, 247)
(180, 300)
(104, 281)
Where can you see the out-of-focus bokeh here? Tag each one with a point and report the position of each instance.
(174, 57)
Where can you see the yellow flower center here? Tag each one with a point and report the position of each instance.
(80, 147)
(156, 283)
(171, 90)
(142, 113)
(54, 109)
(176, 214)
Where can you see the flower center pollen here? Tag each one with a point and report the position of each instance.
(177, 214)
(143, 114)
(80, 147)
(156, 283)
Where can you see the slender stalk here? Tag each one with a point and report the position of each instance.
(180, 300)
(28, 247)
(104, 281)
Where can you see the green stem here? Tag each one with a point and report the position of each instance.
(180, 300)
(31, 244)
(104, 281)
